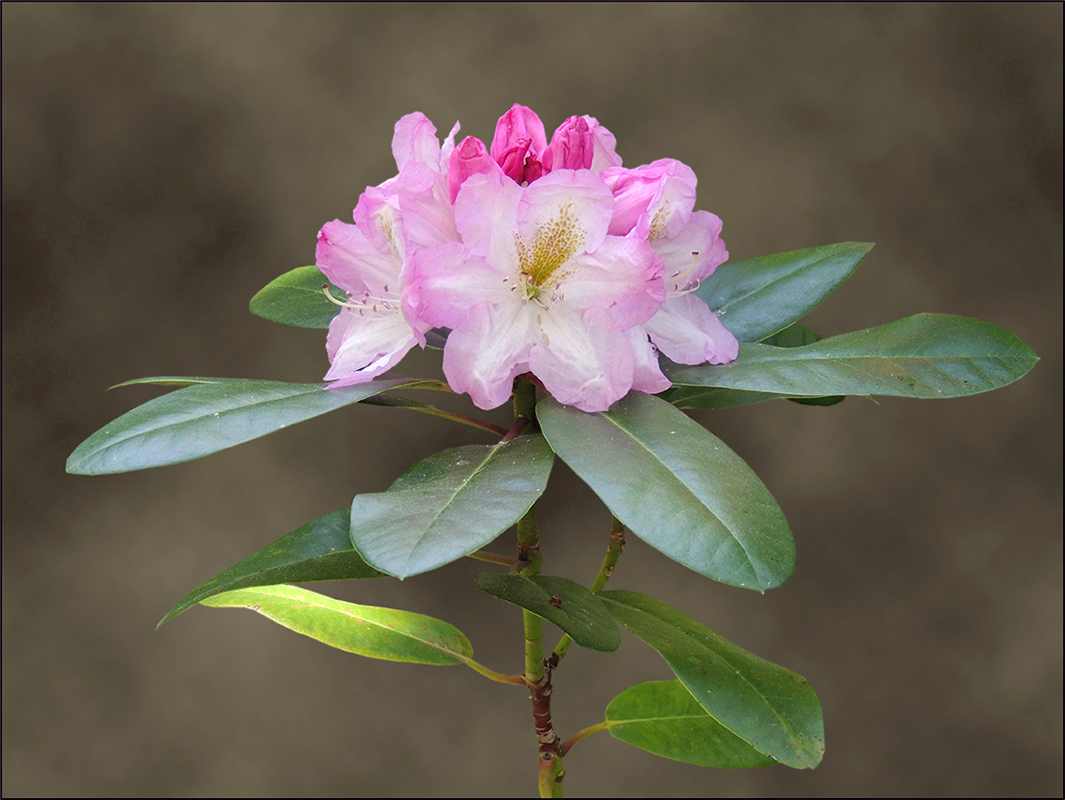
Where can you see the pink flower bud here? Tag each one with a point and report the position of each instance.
(517, 124)
(572, 146)
(469, 158)
(513, 160)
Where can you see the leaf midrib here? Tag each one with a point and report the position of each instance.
(379, 625)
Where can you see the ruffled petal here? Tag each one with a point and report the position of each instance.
(362, 346)
(349, 260)
(646, 373)
(415, 140)
(448, 282)
(484, 357)
(653, 200)
(581, 359)
(623, 277)
(688, 332)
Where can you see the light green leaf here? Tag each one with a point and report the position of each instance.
(677, 487)
(449, 504)
(296, 298)
(384, 633)
(760, 296)
(567, 604)
(318, 551)
(927, 356)
(204, 418)
(770, 708)
(663, 718)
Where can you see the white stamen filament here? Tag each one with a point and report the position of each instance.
(679, 276)
(367, 302)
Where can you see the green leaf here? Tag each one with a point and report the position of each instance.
(204, 418)
(663, 718)
(449, 504)
(677, 487)
(318, 551)
(167, 380)
(709, 397)
(795, 335)
(369, 631)
(927, 355)
(296, 298)
(770, 708)
(562, 602)
(760, 296)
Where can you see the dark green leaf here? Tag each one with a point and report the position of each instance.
(771, 708)
(928, 356)
(449, 504)
(663, 718)
(296, 298)
(677, 487)
(364, 630)
(207, 417)
(562, 602)
(795, 335)
(318, 551)
(760, 296)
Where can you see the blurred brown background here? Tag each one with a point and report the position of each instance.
(161, 163)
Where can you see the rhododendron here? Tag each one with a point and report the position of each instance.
(553, 268)
(580, 279)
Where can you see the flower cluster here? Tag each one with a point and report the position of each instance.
(549, 258)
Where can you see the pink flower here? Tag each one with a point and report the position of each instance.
(549, 258)
(368, 260)
(654, 202)
(538, 285)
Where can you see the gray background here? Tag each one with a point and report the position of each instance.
(162, 163)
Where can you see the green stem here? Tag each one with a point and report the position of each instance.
(551, 775)
(613, 553)
(583, 734)
(491, 674)
(493, 558)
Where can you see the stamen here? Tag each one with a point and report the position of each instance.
(368, 302)
(679, 275)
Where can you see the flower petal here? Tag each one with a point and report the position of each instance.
(692, 255)
(581, 359)
(447, 282)
(653, 200)
(349, 260)
(415, 140)
(688, 332)
(623, 277)
(362, 346)
(646, 373)
(484, 357)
